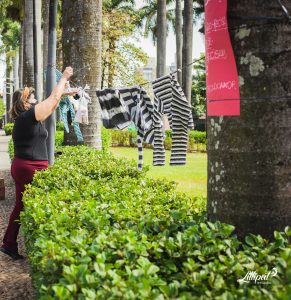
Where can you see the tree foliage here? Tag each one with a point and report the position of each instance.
(199, 89)
(2, 107)
(120, 57)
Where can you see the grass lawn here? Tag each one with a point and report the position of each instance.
(191, 178)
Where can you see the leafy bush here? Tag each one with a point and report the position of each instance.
(8, 128)
(106, 139)
(120, 137)
(59, 138)
(96, 228)
(197, 139)
(60, 126)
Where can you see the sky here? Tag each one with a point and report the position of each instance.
(148, 46)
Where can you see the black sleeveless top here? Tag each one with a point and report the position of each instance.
(29, 137)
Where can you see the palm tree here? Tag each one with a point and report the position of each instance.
(28, 65)
(82, 50)
(45, 16)
(179, 37)
(161, 37)
(187, 48)
(249, 155)
(148, 18)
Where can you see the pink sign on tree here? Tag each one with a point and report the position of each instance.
(222, 86)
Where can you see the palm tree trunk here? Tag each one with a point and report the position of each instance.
(179, 38)
(82, 51)
(38, 70)
(15, 71)
(249, 155)
(187, 48)
(20, 68)
(45, 15)
(161, 37)
(28, 67)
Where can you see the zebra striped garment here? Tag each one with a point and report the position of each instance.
(113, 109)
(171, 101)
(141, 110)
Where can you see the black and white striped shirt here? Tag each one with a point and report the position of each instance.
(141, 110)
(171, 101)
(114, 112)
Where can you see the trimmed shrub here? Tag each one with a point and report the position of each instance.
(59, 138)
(197, 139)
(8, 128)
(96, 228)
(106, 138)
(60, 126)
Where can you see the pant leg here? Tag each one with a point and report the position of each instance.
(22, 172)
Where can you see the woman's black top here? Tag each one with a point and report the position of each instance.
(29, 137)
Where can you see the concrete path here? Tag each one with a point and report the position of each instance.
(4, 156)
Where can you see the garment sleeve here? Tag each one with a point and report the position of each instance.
(29, 115)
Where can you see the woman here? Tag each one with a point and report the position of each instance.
(30, 152)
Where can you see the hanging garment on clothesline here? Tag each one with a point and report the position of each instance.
(113, 109)
(171, 101)
(82, 110)
(141, 110)
(66, 106)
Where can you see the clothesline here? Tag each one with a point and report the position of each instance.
(141, 84)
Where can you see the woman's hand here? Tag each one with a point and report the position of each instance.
(68, 73)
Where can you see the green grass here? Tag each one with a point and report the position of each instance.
(191, 178)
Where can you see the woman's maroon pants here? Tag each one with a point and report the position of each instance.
(22, 171)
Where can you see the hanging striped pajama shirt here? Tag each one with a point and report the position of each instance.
(141, 110)
(171, 101)
(113, 109)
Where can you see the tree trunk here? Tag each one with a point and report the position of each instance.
(249, 155)
(38, 70)
(20, 68)
(82, 50)
(15, 71)
(9, 89)
(45, 14)
(28, 67)
(161, 37)
(179, 38)
(187, 48)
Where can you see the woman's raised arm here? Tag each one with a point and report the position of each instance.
(45, 108)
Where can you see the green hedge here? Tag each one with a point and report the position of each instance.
(8, 128)
(125, 138)
(96, 228)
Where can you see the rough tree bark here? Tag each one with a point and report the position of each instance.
(28, 69)
(161, 37)
(249, 156)
(82, 24)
